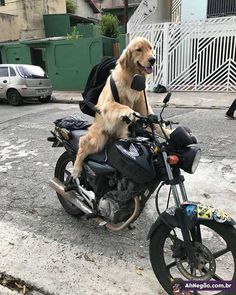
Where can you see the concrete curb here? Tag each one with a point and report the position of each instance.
(66, 101)
(74, 101)
(190, 100)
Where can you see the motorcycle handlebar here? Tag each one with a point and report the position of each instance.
(150, 119)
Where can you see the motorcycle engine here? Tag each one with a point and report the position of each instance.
(118, 205)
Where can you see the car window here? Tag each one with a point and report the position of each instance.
(12, 72)
(4, 72)
(32, 72)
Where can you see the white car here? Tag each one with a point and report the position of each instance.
(24, 81)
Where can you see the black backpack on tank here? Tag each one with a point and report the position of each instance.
(95, 83)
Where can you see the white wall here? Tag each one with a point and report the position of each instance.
(193, 10)
(161, 14)
(83, 9)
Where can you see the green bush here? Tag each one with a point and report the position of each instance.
(109, 25)
(70, 6)
(74, 34)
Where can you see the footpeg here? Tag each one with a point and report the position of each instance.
(91, 215)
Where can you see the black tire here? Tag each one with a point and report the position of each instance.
(14, 97)
(157, 256)
(45, 99)
(61, 165)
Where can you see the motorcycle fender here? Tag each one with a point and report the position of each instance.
(194, 212)
(170, 219)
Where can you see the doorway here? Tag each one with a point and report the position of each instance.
(38, 57)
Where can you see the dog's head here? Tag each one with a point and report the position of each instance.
(138, 57)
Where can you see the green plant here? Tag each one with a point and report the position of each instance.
(109, 25)
(74, 34)
(71, 6)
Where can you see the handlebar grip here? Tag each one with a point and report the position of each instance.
(168, 122)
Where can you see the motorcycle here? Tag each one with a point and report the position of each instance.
(188, 240)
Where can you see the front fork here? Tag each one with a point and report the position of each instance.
(180, 213)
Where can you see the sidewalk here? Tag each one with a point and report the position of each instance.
(178, 99)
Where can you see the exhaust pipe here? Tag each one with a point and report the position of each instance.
(126, 224)
(70, 196)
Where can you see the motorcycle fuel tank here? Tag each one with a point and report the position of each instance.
(132, 159)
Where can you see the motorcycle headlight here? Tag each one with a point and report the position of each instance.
(190, 159)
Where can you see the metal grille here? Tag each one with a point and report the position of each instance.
(221, 8)
(176, 10)
(193, 56)
(2, 2)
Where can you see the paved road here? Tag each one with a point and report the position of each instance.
(58, 254)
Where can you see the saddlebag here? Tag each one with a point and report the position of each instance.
(72, 123)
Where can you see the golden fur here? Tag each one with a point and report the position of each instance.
(108, 124)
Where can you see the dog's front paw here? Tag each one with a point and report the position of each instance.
(129, 115)
(75, 172)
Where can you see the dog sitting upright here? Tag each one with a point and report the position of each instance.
(137, 58)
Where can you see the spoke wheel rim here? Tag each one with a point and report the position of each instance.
(204, 257)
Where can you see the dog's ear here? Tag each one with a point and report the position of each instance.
(125, 58)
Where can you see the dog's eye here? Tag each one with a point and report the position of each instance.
(139, 49)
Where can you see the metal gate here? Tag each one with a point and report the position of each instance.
(193, 56)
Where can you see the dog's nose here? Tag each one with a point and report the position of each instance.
(151, 60)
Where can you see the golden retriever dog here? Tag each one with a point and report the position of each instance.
(137, 58)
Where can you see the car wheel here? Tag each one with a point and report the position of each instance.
(45, 99)
(14, 97)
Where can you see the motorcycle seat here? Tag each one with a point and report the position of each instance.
(75, 137)
(74, 142)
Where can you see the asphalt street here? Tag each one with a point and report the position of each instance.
(55, 253)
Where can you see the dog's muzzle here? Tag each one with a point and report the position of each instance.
(151, 60)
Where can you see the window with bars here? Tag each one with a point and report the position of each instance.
(2, 2)
(217, 8)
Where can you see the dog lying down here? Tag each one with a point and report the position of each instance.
(137, 58)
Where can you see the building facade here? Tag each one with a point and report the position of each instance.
(194, 42)
(24, 19)
(116, 7)
(20, 20)
(87, 9)
(159, 11)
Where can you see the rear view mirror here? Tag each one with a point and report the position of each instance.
(138, 83)
(167, 98)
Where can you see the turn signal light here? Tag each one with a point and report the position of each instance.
(173, 159)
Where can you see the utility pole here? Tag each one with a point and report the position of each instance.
(126, 17)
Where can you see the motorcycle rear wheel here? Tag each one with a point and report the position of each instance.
(62, 173)
(162, 269)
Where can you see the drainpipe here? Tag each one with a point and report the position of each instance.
(126, 7)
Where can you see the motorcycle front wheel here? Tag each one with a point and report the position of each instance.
(215, 253)
(62, 172)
